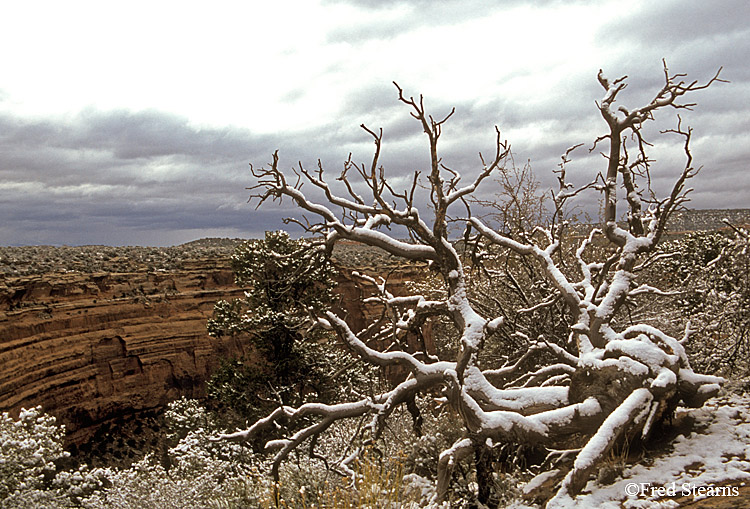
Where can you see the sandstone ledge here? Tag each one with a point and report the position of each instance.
(92, 347)
(96, 346)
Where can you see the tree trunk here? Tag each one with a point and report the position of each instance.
(485, 479)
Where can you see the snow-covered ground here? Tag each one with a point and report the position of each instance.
(711, 460)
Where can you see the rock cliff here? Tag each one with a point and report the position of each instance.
(90, 347)
(93, 348)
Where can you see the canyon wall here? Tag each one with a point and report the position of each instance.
(91, 348)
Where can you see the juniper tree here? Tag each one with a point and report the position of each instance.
(607, 381)
(286, 282)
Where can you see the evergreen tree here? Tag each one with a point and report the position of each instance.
(286, 280)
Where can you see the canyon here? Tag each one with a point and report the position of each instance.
(97, 334)
(98, 347)
(89, 347)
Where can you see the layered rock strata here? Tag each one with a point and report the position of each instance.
(91, 347)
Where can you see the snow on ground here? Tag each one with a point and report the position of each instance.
(707, 465)
(711, 461)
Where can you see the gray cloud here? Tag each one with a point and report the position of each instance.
(107, 171)
(122, 177)
(464, 4)
(681, 23)
(151, 177)
(130, 135)
(694, 37)
(416, 14)
(422, 13)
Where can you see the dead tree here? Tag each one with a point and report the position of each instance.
(618, 379)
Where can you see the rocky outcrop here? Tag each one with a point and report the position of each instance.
(92, 347)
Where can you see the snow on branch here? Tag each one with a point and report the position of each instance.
(582, 386)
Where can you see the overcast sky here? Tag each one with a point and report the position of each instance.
(126, 123)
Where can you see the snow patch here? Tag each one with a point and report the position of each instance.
(713, 456)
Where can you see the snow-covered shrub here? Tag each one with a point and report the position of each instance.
(35, 499)
(711, 271)
(196, 472)
(29, 447)
(147, 484)
(184, 415)
(80, 483)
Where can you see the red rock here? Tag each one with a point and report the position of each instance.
(90, 348)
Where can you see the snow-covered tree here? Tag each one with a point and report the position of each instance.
(285, 280)
(610, 379)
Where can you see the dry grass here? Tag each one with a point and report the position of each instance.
(377, 484)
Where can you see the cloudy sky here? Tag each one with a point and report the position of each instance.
(128, 123)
